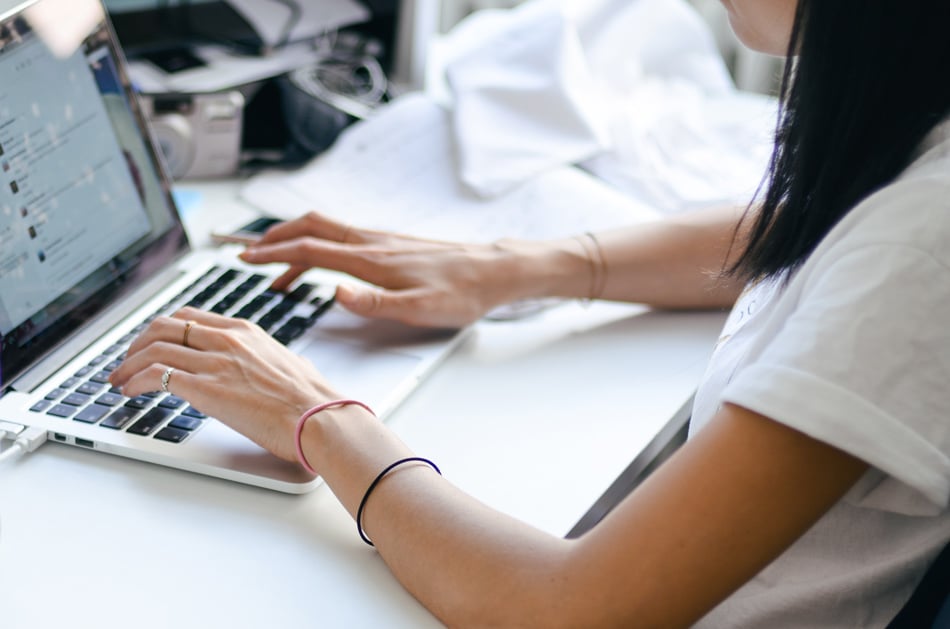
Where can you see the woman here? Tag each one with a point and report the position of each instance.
(814, 488)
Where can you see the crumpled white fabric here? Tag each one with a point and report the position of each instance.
(524, 99)
(633, 90)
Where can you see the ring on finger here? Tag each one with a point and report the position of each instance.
(166, 377)
(188, 325)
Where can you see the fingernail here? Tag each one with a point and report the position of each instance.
(348, 293)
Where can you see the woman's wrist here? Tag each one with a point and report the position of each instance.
(550, 268)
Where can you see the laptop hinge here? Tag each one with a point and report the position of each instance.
(90, 332)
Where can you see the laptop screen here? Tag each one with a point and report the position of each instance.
(85, 215)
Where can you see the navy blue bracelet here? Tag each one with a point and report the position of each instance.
(372, 486)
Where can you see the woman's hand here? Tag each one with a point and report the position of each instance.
(420, 282)
(230, 369)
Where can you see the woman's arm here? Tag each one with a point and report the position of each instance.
(731, 500)
(672, 264)
(707, 521)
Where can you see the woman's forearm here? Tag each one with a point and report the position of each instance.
(674, 263)
(443, 545)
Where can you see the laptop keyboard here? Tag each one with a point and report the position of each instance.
(87, 396)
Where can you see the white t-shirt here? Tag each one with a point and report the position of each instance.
(854, 351)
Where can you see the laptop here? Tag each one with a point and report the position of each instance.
(92, 248)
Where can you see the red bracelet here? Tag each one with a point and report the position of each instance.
(298, 433)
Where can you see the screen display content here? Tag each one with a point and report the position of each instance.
(82, 207)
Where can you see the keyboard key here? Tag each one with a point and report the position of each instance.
(84, 371)
(301, 292)
(281, 309)
(102, 377)
(112, 366)
(172, 401)
(291, 330)
(91, 414)
(186, 423)
(170, 434)
(61, 410)
(150, 421)
(69, 383)
(270, 319)
(254, 306)
(98, 360)
(76, 399)
(191, 411)
(110, 399)
(90, 388)
(320, 306)
(41, 406)
(119, 417)
(112, 349)
(247, 285)
(55, 394)
(221, 307)
(139, 402)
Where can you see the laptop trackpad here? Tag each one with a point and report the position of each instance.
(366, 359)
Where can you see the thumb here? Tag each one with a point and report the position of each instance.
(365, 301)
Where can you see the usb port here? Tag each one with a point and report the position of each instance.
(84, 442)
(59, 437)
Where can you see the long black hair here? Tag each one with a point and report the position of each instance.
(868, 81)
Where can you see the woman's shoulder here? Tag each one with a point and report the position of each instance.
(912, 212)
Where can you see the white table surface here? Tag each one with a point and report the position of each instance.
(535, 417)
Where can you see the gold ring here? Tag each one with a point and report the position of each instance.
(188, 325)
(166, 377)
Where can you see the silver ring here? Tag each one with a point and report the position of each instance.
(166, 377)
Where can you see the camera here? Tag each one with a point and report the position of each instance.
(199, 134)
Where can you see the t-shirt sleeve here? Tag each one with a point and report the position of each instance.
(863, 363)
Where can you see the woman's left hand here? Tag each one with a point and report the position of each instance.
(230, 369)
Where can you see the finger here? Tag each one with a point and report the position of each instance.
(180, 381)
(210, 323)
(162, 330)
(376, 303)
(167, 354)
(311, 252)
(205, 333)
(288, 277)
(312, 224)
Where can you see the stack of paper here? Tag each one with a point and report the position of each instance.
(397, 171)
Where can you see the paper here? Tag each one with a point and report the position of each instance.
(683, 149)
(222, 69)
(397, 171)
(273, 20)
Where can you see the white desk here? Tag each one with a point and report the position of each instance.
(534, 417)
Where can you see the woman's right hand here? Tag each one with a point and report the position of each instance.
(416, 281)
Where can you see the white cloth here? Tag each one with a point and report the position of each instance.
(634, 91)
(525, 100)
(854, 351)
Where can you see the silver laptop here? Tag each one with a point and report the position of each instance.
(92, 248)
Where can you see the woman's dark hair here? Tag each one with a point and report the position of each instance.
(870, 80)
